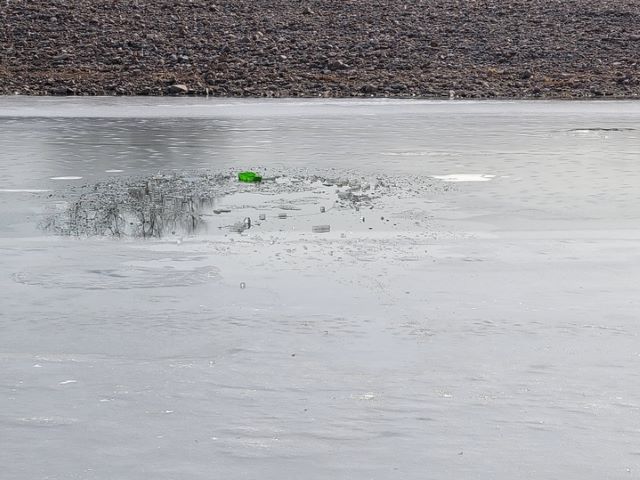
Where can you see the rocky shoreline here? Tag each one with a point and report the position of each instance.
(326, 48)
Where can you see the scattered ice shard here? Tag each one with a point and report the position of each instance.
(321, 228)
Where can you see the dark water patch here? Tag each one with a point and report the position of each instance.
(138, 207)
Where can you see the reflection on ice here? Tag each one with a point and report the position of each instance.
(137, 208)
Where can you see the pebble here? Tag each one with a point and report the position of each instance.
(178, 89)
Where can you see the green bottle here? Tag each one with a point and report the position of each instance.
(249, 177)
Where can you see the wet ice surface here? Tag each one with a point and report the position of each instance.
(464, 329)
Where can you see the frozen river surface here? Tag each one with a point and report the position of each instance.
(482, 326)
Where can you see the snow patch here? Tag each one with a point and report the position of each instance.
(464, 177)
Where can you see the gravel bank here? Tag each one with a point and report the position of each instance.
(331, 48)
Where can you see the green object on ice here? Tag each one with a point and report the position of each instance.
(249, 177)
